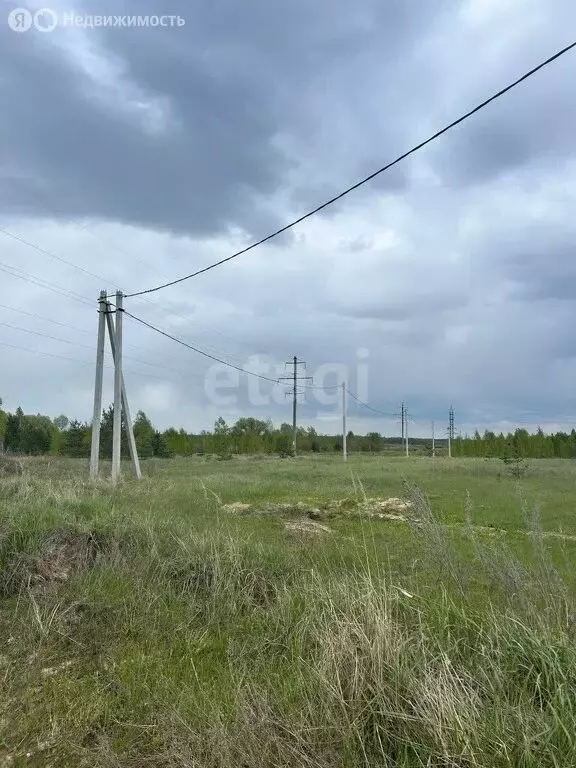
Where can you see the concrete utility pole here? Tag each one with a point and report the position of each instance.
(433, 443)
(97, 412)
(294, 404)
(117, 423)
(450, 431)
(295, 379)
(344, 434)
(125, 405)
(406, 432)
(402, 416)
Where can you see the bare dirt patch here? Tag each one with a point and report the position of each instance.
(61, 554)
(65, 552)
(392, 508)
(307, 526)
(10, 466)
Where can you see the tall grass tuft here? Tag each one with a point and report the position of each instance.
(134, 640)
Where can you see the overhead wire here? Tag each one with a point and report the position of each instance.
(88, 363)
(196, 349)
(167, 311)
(369, 407)
(65, 292)
(216, 352)
(319, 387)
(45, 252)
(27, 277)
(366, 179)
(101, 279)
(32, 332)
(46, 354)
(44, 319)
(43, 335)
(88, 333)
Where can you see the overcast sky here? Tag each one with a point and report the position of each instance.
(142, 154)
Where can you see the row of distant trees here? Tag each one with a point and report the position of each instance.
(519, 443)
(37, 434)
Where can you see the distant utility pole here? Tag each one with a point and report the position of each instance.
(433, 443)
(406, 431)
(294, 392)
(404, 420)
(450, 431)
(344, 446)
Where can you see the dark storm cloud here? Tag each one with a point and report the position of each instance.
(544, 266)
(224, 87)
(534, 126)
(534, 252)
(531, 127)
(250, 114)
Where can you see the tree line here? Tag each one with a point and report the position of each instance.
(37, 434)
(521, 443)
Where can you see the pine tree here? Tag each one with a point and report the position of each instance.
(160, 447)
(106, 433)
(144, 435)
(12, 434)
(76, 440)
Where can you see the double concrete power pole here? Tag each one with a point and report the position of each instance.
(121, 406)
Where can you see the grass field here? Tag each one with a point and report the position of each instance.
(151, 625)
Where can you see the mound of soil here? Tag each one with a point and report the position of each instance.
(10, 467)
(61, 554)
(383, 509)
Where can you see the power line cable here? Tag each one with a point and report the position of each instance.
(90, 333)
(85, 346)
(370, 408)
(167, 311)
(46, 354)
(50, 209)
(318, 387)
(27, 277)
(118, 249)
(100, 278)
(212, 349)
(45, 319)
(44, 335)
(76, 360)
(173, 312)
(195, 349)
(51, 255)
(13, 271)
(365, 180)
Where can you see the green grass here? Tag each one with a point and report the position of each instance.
(144, 626)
